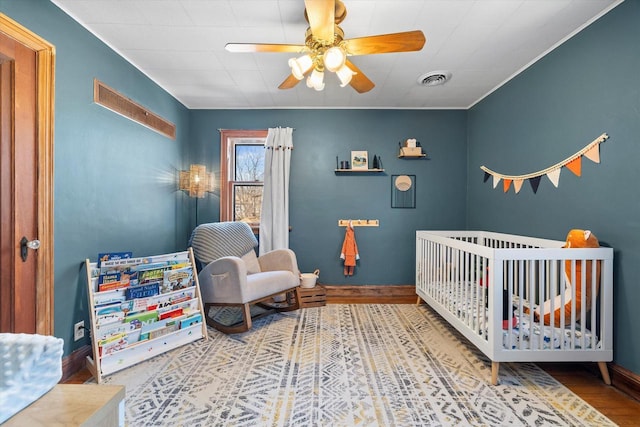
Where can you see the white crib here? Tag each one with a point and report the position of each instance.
(467, 277)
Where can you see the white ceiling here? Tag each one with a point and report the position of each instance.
(179, 44)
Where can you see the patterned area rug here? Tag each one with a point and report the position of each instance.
(344, 365)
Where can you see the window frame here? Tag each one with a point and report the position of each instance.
(227, 166)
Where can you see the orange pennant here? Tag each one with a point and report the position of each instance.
(506, 183)
(575, 166)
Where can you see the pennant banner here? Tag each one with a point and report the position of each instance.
(573, 163)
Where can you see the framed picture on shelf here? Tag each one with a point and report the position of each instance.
(359, 160)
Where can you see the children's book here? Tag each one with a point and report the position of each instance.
(143, 291)
(103, 332)
(151, 276)
(111, 317)
(143, 317)
(123, 264)
(107, 256)
(165, 300)
(191, 320)
(108, 297)
(174, 280)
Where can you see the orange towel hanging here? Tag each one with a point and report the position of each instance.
(349, 251)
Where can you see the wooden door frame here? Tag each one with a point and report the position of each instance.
(45, 73)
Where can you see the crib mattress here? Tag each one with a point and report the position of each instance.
(524, 334)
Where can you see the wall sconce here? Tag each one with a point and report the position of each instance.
(196, 181)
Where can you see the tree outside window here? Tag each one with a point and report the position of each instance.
(242, 175)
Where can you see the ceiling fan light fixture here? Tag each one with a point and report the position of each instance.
(315, 80)
(345, 74)
(300, 66)
(334, 58)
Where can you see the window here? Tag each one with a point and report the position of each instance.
(242, 175)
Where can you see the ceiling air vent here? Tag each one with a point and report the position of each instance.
(434, 78)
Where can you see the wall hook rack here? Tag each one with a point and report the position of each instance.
(359, 222)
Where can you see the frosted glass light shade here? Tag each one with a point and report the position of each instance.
(315, 80)
(334, 59)
(344, 74)
(299, 66)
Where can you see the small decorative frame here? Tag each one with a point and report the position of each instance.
(359, 160)
(403, 191)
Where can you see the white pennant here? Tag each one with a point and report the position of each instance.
(554, 176)
(593, 154)
(496, 180)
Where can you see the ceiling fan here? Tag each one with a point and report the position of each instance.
(325, 48)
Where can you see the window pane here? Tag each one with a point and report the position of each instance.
(249, 163)
(247, 202)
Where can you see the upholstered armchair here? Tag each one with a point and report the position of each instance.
(230, 273)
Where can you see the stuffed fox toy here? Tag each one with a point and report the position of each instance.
(575, 239)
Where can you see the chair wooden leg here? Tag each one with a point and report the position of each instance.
(293, 303)
(244, 326)
(246, 316)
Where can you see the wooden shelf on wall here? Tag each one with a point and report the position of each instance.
(359, 170)
(420, 156)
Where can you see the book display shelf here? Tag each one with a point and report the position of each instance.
(141, 307)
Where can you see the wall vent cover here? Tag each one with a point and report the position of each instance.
(434, 78)
(109, 98)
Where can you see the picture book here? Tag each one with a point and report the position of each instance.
(186, 306)
(112, 345)
(124, 306)
(174, 312)
(191, 320)
(108, 278)
(177, 279)
(103, 332)
(161, 323)
(108, 297)
(164, 331)
(111, 317)
(143, 291)
(143, 317)
(151, 276)
(108, 256)
(165, 300)
(123, 264)
(112, 285)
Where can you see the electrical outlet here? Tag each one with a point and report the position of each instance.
(78, 330)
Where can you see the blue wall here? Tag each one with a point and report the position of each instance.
(319, 197)
(587, 86)
(114, 179)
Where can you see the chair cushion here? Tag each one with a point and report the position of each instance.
(251, 262)
(260, 285)
(217, 239)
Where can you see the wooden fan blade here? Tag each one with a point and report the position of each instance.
(321, 17)
(407, 41)
(359, 81)
(262, 47)
(289, 83)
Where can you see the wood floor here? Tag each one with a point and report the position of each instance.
(616, 405)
